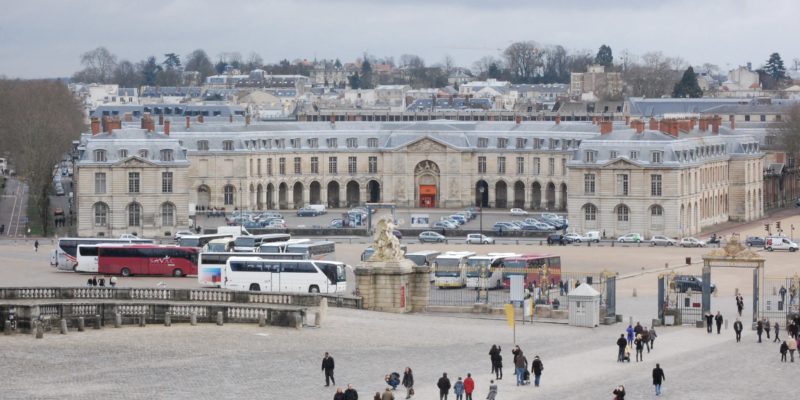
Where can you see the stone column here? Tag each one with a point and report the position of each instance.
(387, 286)
(492, 191)
(557, 204)
(323, 194)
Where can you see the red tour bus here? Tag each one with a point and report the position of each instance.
(531, 265)
(147, 260)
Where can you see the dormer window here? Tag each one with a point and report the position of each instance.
(502, 143)
(352, 143)
(167, 155)
(122, 153)
(227, 145)
(143, 153)
(202, 145)
(590, 156)
(483, 142)
(100, 155)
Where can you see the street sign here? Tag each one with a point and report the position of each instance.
(517, 288)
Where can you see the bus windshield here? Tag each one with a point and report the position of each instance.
(245, 241)
(474, 266)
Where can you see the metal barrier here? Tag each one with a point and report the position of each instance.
(780, 298)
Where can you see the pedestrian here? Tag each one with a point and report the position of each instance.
(709, 321)
(739, 303)
(637, 330)
(718, 320)
(339, 394)
(737, 327)
(619, 393)
(494, 352)
(89, 282)
(628, 351)
(537, 367)
(387, 395)
(458, 389)
(327, 368)
(621, 343)
(639, 347)
(36, 245)
(782, 293)
(766, 326)
(492, 391)
(444, 386)
(350, 393)
(377, 396)
(94, 281)
(113, 281)
(646, 338)
(101, 282)
(392, 380)
(630, 334)
(469, 386)
(408, 382)
(652, 335)
(791, 346)
(658, 377)
(520, 365)
(777, 331)
(791, 330)
(784, 349)
(759, 329)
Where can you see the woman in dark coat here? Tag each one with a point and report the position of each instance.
(497, 361)
(619, 393)
(408, 382)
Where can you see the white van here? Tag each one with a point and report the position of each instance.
(319, 208)
(236, 231)
(779, 243)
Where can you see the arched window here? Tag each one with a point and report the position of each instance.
(134, 214)
(590, 212)
(622, 213)
(167, 214)
(656, 211)
(228, 195)
(100, 214)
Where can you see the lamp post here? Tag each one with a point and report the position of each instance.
(241, 222)
(480, 208)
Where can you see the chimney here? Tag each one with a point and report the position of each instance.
(638, 125)
(732, 120)
(606, 127)
(703, 124)
(161, 119)
(247, 119)
(116, 123)
(715, 123)
(558, 119)
(684, 125)
(627, 120)
(95, 126)
(200, 118)
(518, 119)
(669, 127)
(166, 127)
(188, 122)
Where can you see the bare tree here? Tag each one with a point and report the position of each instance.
(788, 131)
(98, 66)
(126, 75)
(655, 76)
(483, 65)
(411, 61)
(448, 64)
(523, 59)
(198, 61)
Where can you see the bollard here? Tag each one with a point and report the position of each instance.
(736, 291)
(220, 318)
(39, 330)
(726, 326)
(63, 326)
(612, 243)
(262, 320)
(117, 320)
(666, 265)
(142, 321)
(193, 318)
(634, 292)
(7, 327)
(167, 319)
(81, 325)
(323, 307)
(97, 322)
(318, 319)
(630, 321)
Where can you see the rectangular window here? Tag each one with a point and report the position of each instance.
(100, 155)
(202, 145)
(502, 143)
(313, 143)
(520, 165)
(269, 167)
(133, 182)
(314, 165)
(634, 155)
(551, 166)
(124, 153)
(373, 165)
(655, 185)
(297, 168)
(227, 145)
(481, 165)
(483, 142)
(332, 144)
(282, 166)
(258, 167)
(295, 143)
(372, 143)
(622, 184)
(656, 157)
(612, 155)
(352, 143)
(537, 144)
(521, 143)
(167, 155)
(351, 165)
(332, 165)
(537, 166)
(588, 183)
(590, 156)
(166, 182)
(564, 167)
(501, 165)
(100, 183)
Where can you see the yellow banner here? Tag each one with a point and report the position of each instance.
(510, 314)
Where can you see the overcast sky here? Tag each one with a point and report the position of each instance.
(40, 38)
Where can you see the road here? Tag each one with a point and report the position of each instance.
(13, 209)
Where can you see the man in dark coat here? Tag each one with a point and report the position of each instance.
(350, 393)
(621, 343)
(777, 332)
(327, 367)
(536, 368)
(759, 329)
(444, 386)
(658, 377)
(709, 322)
(737, 327)
(718, 320)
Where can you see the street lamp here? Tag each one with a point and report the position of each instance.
(480, 208)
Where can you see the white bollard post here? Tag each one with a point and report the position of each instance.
(63, 326)
(193, 318)
(220, 318)
(117, 320)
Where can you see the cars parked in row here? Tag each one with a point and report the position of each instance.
(692, 242)
(431, 237)
(684, 283)
(477, 238)
(661, 240)
(590, 236)
(518, 211)
(630, 238)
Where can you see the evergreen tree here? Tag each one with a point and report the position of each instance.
(366, 74)
(604, 56)
(775, 67)
(355, 81)
(687, 86)
(150, 70)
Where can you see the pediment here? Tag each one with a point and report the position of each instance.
(135, 161)
(426, 145)
(622, 163)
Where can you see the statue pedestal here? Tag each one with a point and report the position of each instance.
(393, 286)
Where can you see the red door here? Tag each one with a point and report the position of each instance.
(427, 196)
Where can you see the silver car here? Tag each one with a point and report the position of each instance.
(661, 240)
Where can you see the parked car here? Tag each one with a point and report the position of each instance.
(518, 211)
(591, 236)
(558, 238)
(432, 237)
(477, 238)
(692, 242)
(459, 218)
(780, 243)
(307, 212)
(661, 240)
(500, 227)
(755, 241)
(683, 283)
(630, 238)
(445, 225)
(336, 223)
(177, 236)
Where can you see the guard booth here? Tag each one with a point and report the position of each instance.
(584, 306)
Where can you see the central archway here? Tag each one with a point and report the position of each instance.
(501, 195)
(482, 194)
(519, 195)
(353, 194)
(426, 178)
(270, 196)
(314, 191)
(283, 196)
(536, 196)
(333, 194)
(297, 195)
(373, 191)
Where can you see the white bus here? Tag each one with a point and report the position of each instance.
(279, 247)
(249, 244)
(298, 276)
(64, 256)
(314, 251)
(86, 256)
(210, 265)
(494, 270)
(424, 258)
(449, 269)
(201, 240)
(219, 245)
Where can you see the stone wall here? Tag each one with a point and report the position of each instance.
(393, 286)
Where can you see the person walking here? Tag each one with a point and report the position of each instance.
(759, 329)
(444, 386)
(791, 345)
(327, 368)
(36, 246)
(492, 391)
(784, 349)
(709, 322)
(777, 332)
(766, 326)
(469, 386)
(782, 293)
(639, 347)
(658, 378)
(94, 281)
(619, 393)
(494, 356)
(350, 393)
(387, 394)
(537, 367)
(520, 365)
(113, 281)
(621, 344)
(408, 382)
(629, 330)
(646, 338)
(739, 304)
(737, 327)
(652, 335)
(458, 389)
(718, 320)
(339, 394)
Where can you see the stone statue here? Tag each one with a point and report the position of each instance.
(386, 245)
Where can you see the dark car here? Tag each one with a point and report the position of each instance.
(559, 239)
(684, 283)
(755, 241)
(307, 212)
